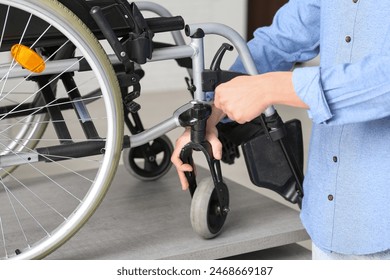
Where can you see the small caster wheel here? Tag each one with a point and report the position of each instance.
(150, 161)
(207, 218)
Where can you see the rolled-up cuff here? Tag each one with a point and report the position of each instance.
(307, 85)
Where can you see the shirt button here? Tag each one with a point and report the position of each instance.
(355, 1)
(330, 197)
(348, 39)
(335, 159)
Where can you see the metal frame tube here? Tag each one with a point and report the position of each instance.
(52, 68)
(153, 132)
(239, 43)
(174, 52)
(233, 36)
(159, 129)
(198, 68)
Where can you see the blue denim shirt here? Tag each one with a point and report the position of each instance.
(346, 208)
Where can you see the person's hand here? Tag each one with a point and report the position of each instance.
(185, 138)
(245, 97)
(242, 99)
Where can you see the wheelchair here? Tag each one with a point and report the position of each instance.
(64, 103)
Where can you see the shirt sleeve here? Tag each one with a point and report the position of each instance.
(294, 36)
(346, 93)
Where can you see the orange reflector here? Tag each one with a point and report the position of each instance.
(28, 58)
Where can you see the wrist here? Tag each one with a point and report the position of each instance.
(282, 90)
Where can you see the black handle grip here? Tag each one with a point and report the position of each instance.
(165, 24)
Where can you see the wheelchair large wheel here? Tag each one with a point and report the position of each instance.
(65, 141)
(151, 161)
(207, 219)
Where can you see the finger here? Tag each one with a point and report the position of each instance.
(175, 158)
(180, 172)
(178, 163)
(217, 99)
(185, 167)
(217, 103)
(216, 147)
(183, 180)
(181, 168)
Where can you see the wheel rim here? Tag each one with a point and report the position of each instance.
(44, 205)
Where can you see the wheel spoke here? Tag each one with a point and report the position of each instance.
(138, 152)
(150, 166)
(157, 147)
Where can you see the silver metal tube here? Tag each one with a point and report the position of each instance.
(239, 43)
(18, 159)
(52, 67)
(154, 132)
(159, 129)
(233, 36)
(172, 53)
(198, 68)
